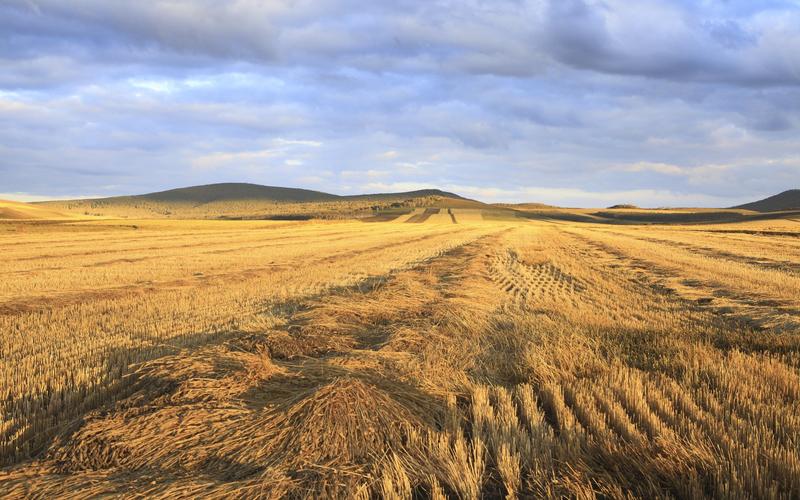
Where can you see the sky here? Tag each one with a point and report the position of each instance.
(569, 102)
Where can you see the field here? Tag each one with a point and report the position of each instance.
(12, 210)
(439, 352)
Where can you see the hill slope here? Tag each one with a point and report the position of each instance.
(237, 192)
(249, 201)
(786, 200)
(20, 210)
(420, 193)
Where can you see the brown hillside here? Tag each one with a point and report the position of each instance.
(786, 200)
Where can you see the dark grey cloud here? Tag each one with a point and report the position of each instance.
(679, 40)
(692, 101)
(664, 40)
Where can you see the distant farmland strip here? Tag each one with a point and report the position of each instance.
(386, 217)
(424, 215)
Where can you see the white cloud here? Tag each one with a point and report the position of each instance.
(386, 187)
(388, 155)
(369, 173)
(660, 168)
(219, 159)
(297, 142)
(154, 85)
(26, 197)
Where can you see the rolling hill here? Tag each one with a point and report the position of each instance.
(420, 193)
(253, 201)
(525, 206)
(235, 192)
(25, 211)
(786, 200)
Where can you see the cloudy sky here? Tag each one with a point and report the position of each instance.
(574, 102)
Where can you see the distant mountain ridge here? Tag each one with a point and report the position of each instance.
(786, 200)
(239, 191)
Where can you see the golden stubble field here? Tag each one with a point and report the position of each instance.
(185, 359)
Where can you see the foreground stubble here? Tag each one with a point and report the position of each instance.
(355, 360)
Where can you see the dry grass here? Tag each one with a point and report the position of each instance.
(14, 210)
(477, 359)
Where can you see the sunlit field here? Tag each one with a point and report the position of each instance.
(436, 353)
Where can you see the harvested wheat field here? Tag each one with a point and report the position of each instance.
(27, 211)
(444, 353)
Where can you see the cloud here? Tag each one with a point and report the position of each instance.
(297, 142)
(216, 160)
(388, 155)
(27, 197)
(686, 102)
(661, 168)
(673, 41)
(657, 39)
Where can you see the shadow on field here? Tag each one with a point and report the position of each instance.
(67, 408)
(653, 217)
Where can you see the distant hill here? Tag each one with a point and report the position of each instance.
(243, 200)
(420, 193)
(224, 192)
(786, 200)
(524, 206)
(237, 192)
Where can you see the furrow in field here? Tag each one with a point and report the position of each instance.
(581, 400)
(709, 285)
(406, 217)
(617, 418)
(757, 261)
(418, 218)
